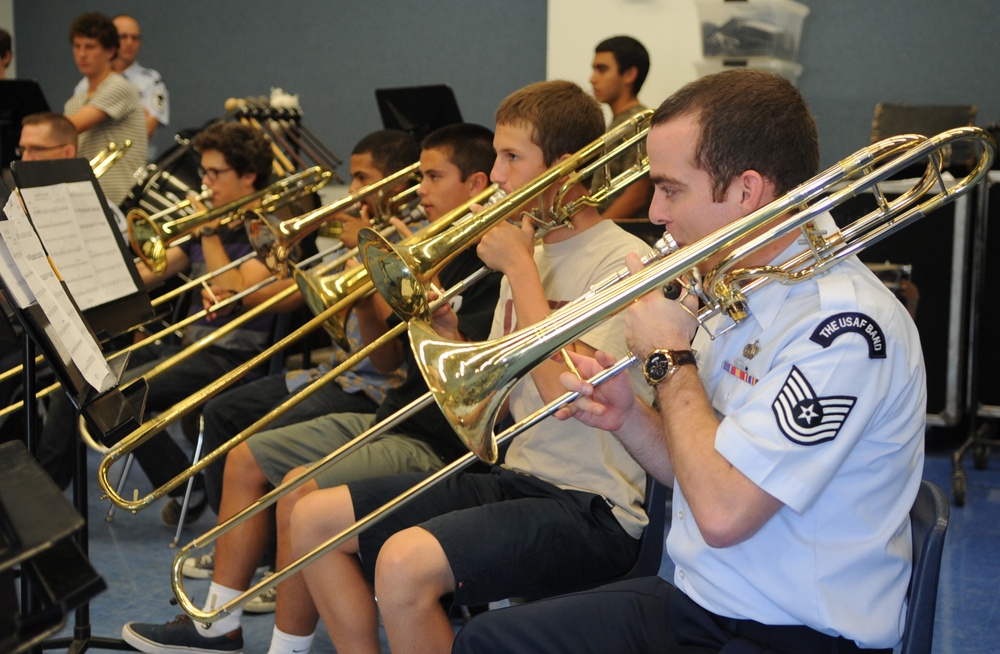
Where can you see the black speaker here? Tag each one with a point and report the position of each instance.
(936, 249)
(987, 354)
(37, 524)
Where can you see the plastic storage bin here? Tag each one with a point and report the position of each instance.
(787, 69)
(755, 28)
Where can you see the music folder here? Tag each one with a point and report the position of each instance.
(63, 265)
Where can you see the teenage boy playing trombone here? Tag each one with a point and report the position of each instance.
(454, 162)
(565, 508)
(375, 156)
(235, 162)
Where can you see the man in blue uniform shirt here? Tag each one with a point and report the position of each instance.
(794, 441)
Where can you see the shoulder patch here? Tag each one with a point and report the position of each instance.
(159, 100)
(851, 322)
(803, 417)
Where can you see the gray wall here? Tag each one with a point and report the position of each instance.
(856, 53)
(332, 54)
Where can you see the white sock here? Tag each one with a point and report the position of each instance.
(282, 643)
(219, 595)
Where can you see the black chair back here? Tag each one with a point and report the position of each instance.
(929, 522)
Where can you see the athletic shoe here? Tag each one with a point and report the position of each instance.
(199, 567)
(170, 515)
(265, 602)
(179, 635)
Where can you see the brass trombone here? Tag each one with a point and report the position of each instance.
(107, 157)
(319, 292)
(152, 235)
(273, 241)
(468, 372)
(402, 274)
(472, 407)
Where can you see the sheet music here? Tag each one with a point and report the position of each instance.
(16, 284)
(71, 222)
(27, 268)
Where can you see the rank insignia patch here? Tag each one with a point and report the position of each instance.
(804, 418)
(854, 323)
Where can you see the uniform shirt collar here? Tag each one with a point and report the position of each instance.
(766, 312)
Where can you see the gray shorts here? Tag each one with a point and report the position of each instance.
(281, 450)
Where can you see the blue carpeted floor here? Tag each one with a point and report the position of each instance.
(133, 556)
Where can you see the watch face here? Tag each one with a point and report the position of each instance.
(657, 366)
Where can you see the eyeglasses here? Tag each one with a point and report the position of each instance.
(212, 173)
(35, 149)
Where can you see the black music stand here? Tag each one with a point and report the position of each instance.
(37, 524)
(418, 110)
(18, 98)
(113, 412)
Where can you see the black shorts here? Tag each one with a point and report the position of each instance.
(505, 534)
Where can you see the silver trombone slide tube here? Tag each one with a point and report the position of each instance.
(235, 263)
(196, 281)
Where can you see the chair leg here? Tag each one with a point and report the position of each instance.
(110, 517)
(190, 484)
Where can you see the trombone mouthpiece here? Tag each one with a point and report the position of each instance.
(665, 244)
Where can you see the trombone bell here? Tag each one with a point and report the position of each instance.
(393, 274)
(146, 240)
(469, 382)
(321, 293)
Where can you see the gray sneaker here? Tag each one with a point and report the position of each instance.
(199, 567)
(179, 635)
(265, 602)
